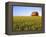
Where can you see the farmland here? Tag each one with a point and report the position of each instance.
(27, 23)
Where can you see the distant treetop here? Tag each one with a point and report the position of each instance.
(35, 14)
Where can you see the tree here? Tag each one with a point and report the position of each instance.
(35, 14)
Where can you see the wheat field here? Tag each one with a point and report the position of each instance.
(27, 24)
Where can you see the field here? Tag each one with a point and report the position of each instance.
(27, 23)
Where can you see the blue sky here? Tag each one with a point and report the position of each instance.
(26, 11)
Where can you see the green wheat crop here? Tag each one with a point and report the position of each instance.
(27, 23)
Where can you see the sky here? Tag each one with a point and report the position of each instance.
(26, 11)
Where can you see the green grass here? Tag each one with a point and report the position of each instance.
(27, 23)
